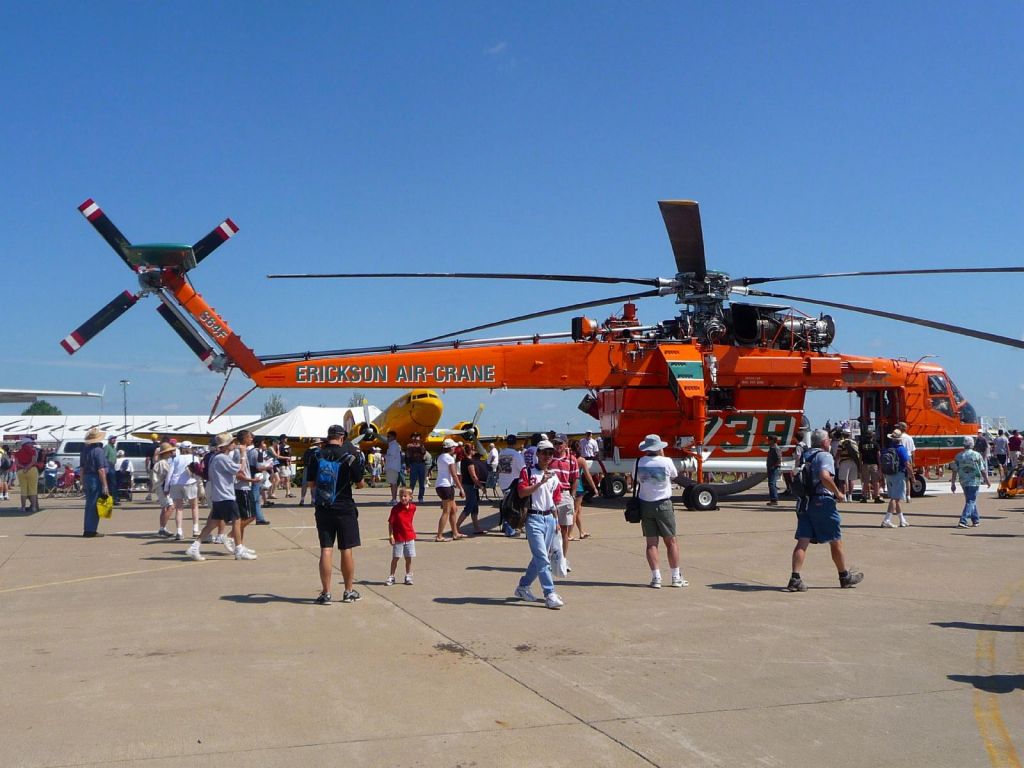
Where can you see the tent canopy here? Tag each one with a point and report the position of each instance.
(308, 421)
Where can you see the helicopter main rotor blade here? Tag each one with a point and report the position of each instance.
(88, 330)
(546, 312)
(682, 220)
(957, 329)
(745, 281)
(655, 281)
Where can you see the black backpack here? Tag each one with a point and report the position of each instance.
(803, 482)
(889, 462)
(513, 507)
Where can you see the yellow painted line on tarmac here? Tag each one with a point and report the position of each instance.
(184, 564)
(1000, 748)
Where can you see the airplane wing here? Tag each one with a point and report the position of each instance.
(31, 395)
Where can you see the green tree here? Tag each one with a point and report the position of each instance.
(273, 407)
(41, 408)
(355, 399)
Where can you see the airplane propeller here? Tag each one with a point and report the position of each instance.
(468, 433)
(148, 262)
(368, 430)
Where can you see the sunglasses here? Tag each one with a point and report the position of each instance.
(547, 452)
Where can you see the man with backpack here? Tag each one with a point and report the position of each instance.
(893, 461)
(871, 482)
(339, 467)
(818, 520)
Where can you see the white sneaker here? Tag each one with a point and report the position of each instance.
(568, 568)
(241, 553)
(408, 578)
(214, 539)
(887, 524)
(389, 581)
(229, 543)
(553, 601)
(524, 593)
(904, 524)
(195, 530)
(679, 581)
(656, 583)
(192, 553)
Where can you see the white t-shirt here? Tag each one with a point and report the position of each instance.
(655, 475)
(543, 498)
(179, 473)
(445, 470)
(492, 459)
(393, 458)
(510, 464)
(908, 442)
(588, 447)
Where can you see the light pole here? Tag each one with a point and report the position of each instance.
(124, 400)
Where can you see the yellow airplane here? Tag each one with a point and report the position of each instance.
(418, 410)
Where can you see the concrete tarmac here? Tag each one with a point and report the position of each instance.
(118, 651)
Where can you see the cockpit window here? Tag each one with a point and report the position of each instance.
(942, 405)
(967, 413)
(958, 396)
(936, 384)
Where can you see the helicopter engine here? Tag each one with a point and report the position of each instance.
(777, 327)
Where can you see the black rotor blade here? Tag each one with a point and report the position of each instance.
(957, 329)
(88, 330)
(224, 231)
(187, 333)
(955, 271)
(655, 281)
(546, 312)
(682, 220)
(92, 211)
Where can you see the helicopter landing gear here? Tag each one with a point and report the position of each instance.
(613, 486)
(917, 486)
(702, 497)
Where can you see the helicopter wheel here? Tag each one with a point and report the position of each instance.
(703, 497)
(613, 486)
(688, 496)
(917, 486)
(1001, 493)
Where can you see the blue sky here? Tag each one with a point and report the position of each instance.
(486, 136)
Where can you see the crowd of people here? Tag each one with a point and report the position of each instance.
(549, 478)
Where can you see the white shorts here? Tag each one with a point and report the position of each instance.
(565, 510)
(288, 470)
(404, 548)
(184, 493)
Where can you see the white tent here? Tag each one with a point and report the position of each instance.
(308, 421)
(53, 429)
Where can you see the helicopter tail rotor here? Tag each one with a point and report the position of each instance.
(88, 330)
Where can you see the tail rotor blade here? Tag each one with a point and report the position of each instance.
(87, 330)
(188, 334)
(682, 220)
(221, 234)
(92, 211)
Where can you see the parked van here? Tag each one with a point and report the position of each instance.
(70, 452)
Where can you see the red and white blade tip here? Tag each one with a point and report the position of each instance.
(72, 342)
(227, 229)
(90, 209)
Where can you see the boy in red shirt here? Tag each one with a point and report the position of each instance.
(402, 535)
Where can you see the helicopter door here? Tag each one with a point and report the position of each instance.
(880, 409)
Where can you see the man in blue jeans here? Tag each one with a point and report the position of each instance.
(416, 456)
(971, 467)
(96, 474)
(541, 484)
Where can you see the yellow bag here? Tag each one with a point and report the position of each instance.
(104, 506)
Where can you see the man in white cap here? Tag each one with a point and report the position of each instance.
(223, 472)
(540, 483)
(654, 475)
(447, 481)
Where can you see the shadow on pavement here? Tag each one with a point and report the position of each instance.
(991, 683)
(981, 627)
(262, 598)
(475, 600)
(16, 512)
(738, 586)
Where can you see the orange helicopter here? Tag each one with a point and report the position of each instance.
(715, 381)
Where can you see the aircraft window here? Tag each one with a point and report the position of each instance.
(967, 414)
(958, 396)
(936, 384)
(942, 405)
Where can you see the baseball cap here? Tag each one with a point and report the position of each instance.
(448, 443)
(545, 445)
